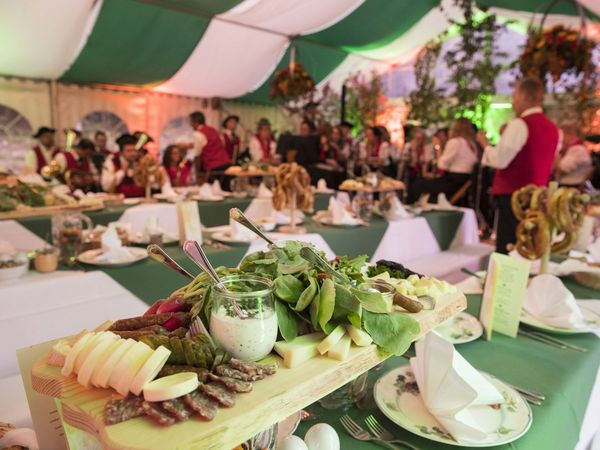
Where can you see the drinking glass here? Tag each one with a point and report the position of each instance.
(362, 205)
(248, 338)
(343, 398)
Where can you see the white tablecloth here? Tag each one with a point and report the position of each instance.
(313, 238)
(166, 213)
(19, 236)
(38, 308)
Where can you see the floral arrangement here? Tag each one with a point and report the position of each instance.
(291, 82)
(556, 51)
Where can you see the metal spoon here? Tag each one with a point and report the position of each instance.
(313, 257)
(239, 217)
(193, 251)
(159, 255)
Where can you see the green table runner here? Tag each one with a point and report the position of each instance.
(565, 376)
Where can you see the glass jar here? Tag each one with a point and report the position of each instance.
(362, 205)
(250, 338)
(386, 289)
(343, 398)
(240, 186)
(67, 235)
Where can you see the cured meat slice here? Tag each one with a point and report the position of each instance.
(176, 408)
(219, 393)
(225, 370)
(201, 404)
(231, 383)
(252, 368)
(119, 410)
(156, 414)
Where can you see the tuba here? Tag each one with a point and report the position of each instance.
(51, 170)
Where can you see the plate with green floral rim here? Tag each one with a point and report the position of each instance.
(591, 317)
(397, 396)
(460, 329)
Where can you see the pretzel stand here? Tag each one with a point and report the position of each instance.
(292, 190)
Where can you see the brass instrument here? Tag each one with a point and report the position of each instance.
(51, 170)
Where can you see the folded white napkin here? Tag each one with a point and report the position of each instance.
(283, 217)
(263, 191)
(206, 192)
(452, 389)
(216, 188)
(548, 300)
(594, 250)
(151, 227)
(239, 232)
(443, 203)
(322, 185)
(112, 248)
(397, 210)
(343, 198)
(339, 214)
(167, 189)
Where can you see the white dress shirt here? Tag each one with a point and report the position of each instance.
(511, 142)
(30, 163)
(384, 151)
(574, 166)
(199, 140)
(256, 151)
(110, 177)
(458, 156)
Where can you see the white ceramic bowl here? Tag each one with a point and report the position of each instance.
(11, 273)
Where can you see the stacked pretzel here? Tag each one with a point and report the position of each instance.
(292, 179)
(564, 210)
(147, 170)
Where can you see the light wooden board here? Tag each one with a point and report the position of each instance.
(272, 399)
(49, 210)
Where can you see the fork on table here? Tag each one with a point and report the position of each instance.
(359, 433)
(381, 433)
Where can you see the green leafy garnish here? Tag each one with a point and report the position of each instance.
(326, 302)
(392, 332)
(373, 301)
(288, 288)
(286, 320)
(307, 295)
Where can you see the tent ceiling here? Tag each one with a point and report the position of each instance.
(227, 48)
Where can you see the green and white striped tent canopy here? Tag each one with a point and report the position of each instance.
(228, 48)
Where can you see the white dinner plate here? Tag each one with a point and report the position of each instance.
(460, 329)
(397, 396)
(326, 220)
(138, 239)
(590, 317)
(91, 257)
(167, 197)
(132, 201)
(225, 237)
(214, 198)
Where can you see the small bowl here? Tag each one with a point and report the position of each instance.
(11, 273)
(46, 262)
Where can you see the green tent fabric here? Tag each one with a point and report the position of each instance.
(138, 43)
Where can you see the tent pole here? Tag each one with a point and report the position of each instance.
(54, 111)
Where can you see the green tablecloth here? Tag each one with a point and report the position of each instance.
(565, 376)
(212, 214)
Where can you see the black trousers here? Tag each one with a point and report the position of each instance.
(507, 223)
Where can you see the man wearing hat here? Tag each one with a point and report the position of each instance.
(230, 139)
(44, 152)
(117, 172)
(78, 162)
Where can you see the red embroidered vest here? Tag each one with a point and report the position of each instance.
(232, 144)
(213, 154)
(82, 164)
(533, 163)
(41, 160)
(127, 187)
(179, 176)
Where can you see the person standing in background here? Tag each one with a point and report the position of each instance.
(44, 152)
(230, 139)
(573, 165)
(525, 155)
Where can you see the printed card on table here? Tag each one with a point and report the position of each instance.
(503, 295)
(190, 227)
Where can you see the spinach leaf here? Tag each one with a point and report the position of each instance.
(392, 332)
(307, 295)
(288, 288)
(326, 302)
(287, 322)
(314, 310)
(373, 301)
(354, 320)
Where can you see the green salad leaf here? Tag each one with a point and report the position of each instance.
(373, 301)
(286, 320)
(326, 302)
(314, 309)
(345, 303)
(307, 295)
(392, 332)
(288, 288)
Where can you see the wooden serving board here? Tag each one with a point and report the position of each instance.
(49, 210)
(272, 399)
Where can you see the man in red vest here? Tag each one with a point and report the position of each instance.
(524, 155)
(44, 152)
(230, 138)
(78, 162)
(117, 172)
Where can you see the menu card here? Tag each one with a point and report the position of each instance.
(189, 222)
(503, 295)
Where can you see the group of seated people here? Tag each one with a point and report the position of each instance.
(443, 163)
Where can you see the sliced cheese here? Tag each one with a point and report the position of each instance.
(125, 370)
(58, 353)
(341, 349)
(91, 345)
(331, 340)
(359, 337)
(172, 386)
(299, 350)
(102, 375)
(93, 360)
(77, 347)
(150, 369)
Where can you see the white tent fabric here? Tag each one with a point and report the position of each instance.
(229, 48)
(51, 39)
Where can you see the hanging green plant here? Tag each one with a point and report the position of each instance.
(291, 82)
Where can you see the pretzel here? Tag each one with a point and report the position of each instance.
(533, 235)
(292, 179)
